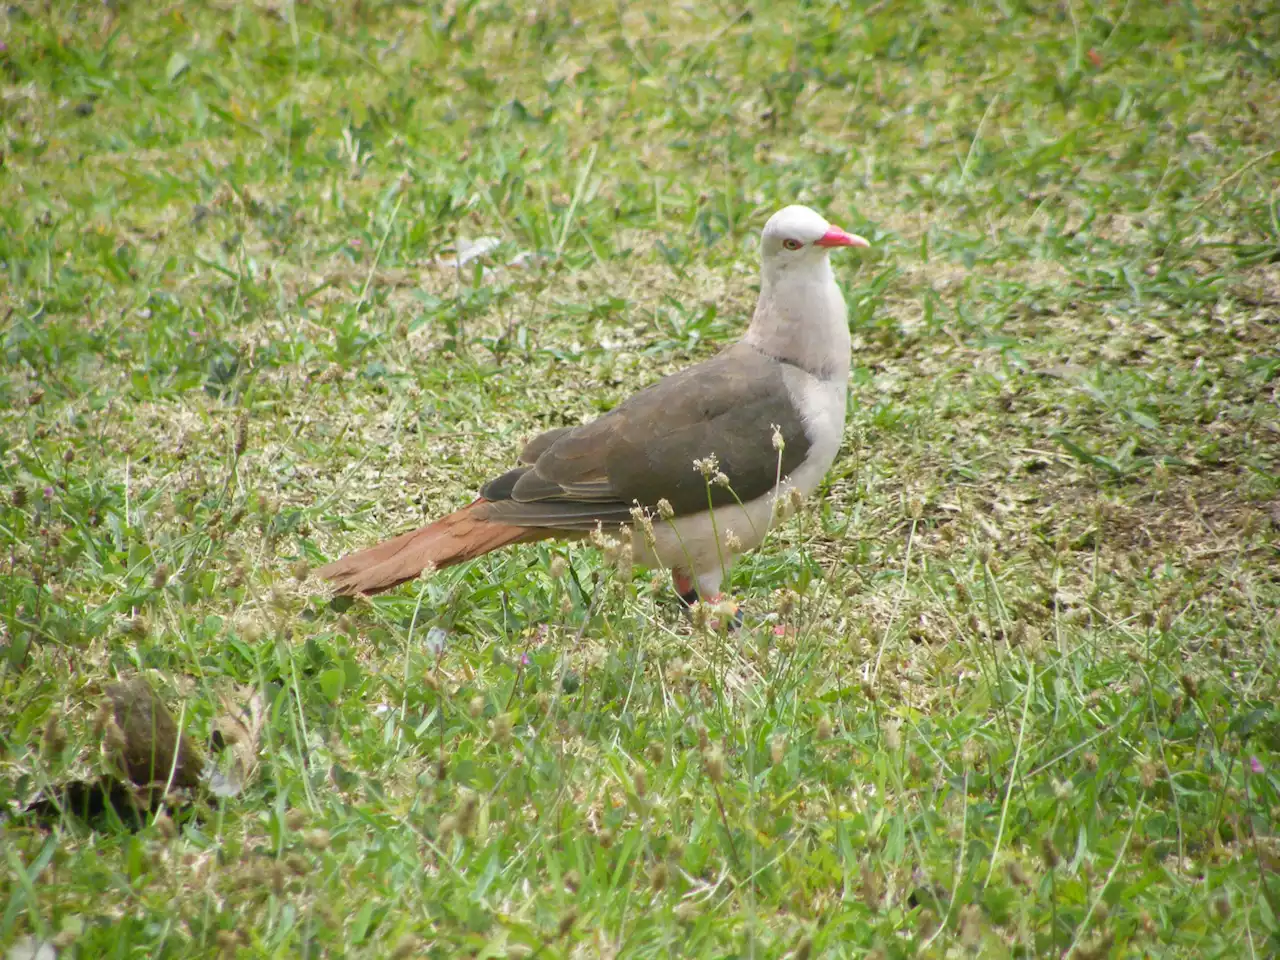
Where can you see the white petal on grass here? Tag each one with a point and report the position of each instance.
(437, 637)
(222, 784)
(29, 948)
(526, 258)
(240, 722)
(469, 250)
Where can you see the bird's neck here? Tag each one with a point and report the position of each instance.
(800, 319)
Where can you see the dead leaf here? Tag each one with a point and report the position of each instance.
(144, 740)
(146, 757)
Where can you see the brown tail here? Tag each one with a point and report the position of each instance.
(462, 535)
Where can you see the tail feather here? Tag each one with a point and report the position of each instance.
(461, 536)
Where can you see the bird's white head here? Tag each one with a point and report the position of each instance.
(800, 317)
(796, 234)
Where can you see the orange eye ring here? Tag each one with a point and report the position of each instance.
(792, 244)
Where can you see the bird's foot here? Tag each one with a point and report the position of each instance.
(727, 612)
(720, 609)
(685, 588)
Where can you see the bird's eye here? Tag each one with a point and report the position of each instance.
(792, 244)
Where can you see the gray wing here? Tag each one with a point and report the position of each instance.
(643, 450)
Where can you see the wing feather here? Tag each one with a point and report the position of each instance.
(644, 449)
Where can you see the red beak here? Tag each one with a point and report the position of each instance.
(835, 237)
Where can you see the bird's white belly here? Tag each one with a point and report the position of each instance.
(822, 409)
(706, 543)
(709, 540)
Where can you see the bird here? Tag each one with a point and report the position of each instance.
(693, 470)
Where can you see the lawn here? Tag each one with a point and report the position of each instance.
(278, 279)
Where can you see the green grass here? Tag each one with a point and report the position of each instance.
(1026, 701)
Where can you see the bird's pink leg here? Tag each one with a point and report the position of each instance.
(726, 606)
(685, 587)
